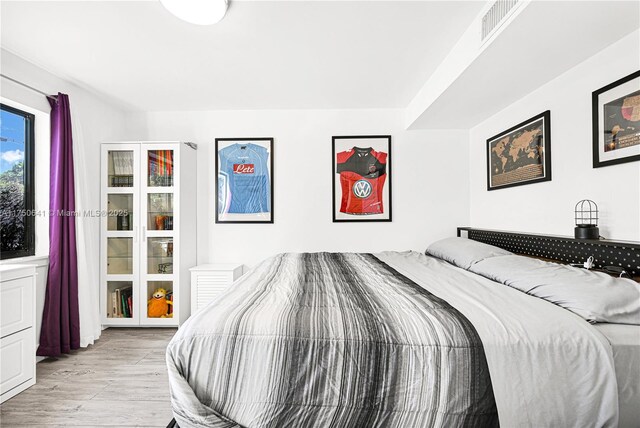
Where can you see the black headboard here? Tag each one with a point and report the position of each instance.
(562, 248)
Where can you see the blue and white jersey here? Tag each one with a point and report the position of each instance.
(243, 179)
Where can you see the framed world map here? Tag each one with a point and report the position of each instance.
(521, 154)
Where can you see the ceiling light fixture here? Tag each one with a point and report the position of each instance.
(200, 12)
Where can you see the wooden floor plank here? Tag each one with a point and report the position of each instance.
(121, 381)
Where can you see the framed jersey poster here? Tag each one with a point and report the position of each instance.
(361, 178)
(244, 180)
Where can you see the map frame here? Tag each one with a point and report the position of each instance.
(545, 157)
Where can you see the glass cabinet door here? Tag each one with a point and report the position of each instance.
(120, 168)
(160, 256)
(120, 227)
(160, 211)
(120, 302)
(119, 256)
(160, 168)
(159, 299)
(159, 233)
(120, 211)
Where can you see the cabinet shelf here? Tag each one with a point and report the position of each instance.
(152, 209)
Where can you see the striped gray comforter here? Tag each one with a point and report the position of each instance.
(329, 340)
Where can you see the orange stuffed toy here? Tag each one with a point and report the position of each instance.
(158, 305)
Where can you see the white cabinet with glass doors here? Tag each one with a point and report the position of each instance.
(148, 206)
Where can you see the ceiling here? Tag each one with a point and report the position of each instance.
(262, 55)
(545, 40)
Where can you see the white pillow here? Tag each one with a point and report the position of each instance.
(463, 252)
(595, 296)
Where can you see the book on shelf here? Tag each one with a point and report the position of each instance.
(160, 164)
(121, 303)
(125, 307)
(163, 222)
(169, 297)
(126, 294)
(118, 299)
(114, 305)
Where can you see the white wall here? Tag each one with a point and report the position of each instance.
(95, 119)
(430, 182)
(548, 207)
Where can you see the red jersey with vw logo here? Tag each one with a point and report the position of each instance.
(362, 175)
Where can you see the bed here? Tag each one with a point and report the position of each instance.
(625, 345)
(402, 339)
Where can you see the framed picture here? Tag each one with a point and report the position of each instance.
(244, 180)
(520, 155)
(616, 122)
(361, 178)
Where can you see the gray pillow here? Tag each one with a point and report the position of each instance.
(595, 296)
(463, 252)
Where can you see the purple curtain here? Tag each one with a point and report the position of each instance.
(60, 319)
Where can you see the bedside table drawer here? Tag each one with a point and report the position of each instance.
(16, 305)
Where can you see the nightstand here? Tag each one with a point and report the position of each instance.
(17, 329)
(208, 281)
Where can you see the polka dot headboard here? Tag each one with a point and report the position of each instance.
(621, 254)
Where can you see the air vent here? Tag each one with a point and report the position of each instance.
(496, 15)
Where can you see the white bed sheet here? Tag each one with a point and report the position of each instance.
(625, 342)
(549, 367)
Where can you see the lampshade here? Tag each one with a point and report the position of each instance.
(586, 213)
(200, 12)
(586, 217)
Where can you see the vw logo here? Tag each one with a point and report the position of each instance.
(362, 189)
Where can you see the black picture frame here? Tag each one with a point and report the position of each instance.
(598, 162)
(341, 143)
(546, 147)
(249, 218)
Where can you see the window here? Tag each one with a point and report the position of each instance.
(17, 229)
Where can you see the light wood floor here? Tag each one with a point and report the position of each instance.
(120, 381)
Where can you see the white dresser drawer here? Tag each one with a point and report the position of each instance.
(16, 305)
(17, 360)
